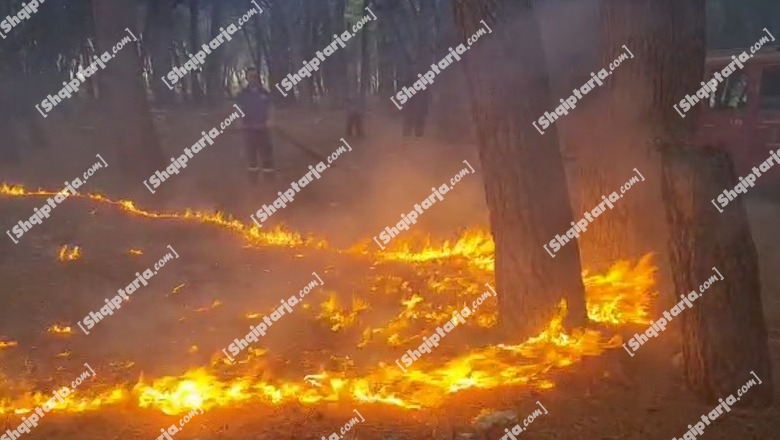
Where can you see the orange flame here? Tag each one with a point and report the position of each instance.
(59, 329)
(68, 254)
(453, 273)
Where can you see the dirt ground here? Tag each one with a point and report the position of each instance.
(612, 396)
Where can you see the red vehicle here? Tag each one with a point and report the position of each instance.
(743, 116)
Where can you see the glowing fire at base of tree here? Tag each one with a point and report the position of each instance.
(619, 296)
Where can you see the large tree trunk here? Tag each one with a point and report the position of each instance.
(725, 336)
(603, 136)
(524, 178)
(122, 92)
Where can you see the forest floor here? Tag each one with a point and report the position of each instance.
(612, 396)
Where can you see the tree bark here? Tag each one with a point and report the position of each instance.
(524, 178)
(364, 87)
(386, 56)
(159, 39)
(724, 333)
(123, 96)
(426, 36)
(215, 84)
(197, 88)
(279, 63)
(451, 105)
(604, 137)
(301, 48)
(335, 71)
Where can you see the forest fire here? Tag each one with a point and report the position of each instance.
(282, 289)
(619, 296)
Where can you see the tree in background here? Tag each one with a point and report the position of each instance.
(735, 24)
(160, 47)
(123, 96)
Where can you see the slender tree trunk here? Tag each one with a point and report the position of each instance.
(215, 89)
(386, 60)
(365, 58)
(90, 85)
(195, 44)
(9, 144)
(260, 43)
(336, 69)
(451, 106)
(279, 64)
(301, 49)
(123, 96)
(524, 179)
(426, 36)
(404, 43)
(724, 332)
(159, 39)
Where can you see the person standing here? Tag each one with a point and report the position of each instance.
(355, 109)
(415, 114)
(256, 105)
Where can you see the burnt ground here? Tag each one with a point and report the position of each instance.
(611, 396)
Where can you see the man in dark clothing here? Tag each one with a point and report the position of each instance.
(256, 105)
(415, 113)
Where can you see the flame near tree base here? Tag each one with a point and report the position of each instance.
(458, 269)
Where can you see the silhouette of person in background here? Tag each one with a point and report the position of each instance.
(256, 105)
(355, 109)
(414, 114)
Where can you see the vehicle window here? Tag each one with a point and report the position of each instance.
(732, 93)
(770, 88)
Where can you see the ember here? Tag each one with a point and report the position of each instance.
(69, 254)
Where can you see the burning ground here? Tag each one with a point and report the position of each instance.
(161, 353)
(162, 349)
(340, 344)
